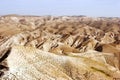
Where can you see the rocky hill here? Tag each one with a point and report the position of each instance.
(59, 48)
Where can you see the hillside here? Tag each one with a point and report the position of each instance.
(59, 48)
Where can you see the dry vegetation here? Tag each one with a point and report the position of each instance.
(59, 48)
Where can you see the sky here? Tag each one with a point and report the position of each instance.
(93, 8)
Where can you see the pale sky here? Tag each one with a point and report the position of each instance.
(95, 8)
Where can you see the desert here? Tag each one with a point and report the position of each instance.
(59, 48)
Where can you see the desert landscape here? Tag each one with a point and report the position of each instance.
(59, 48)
